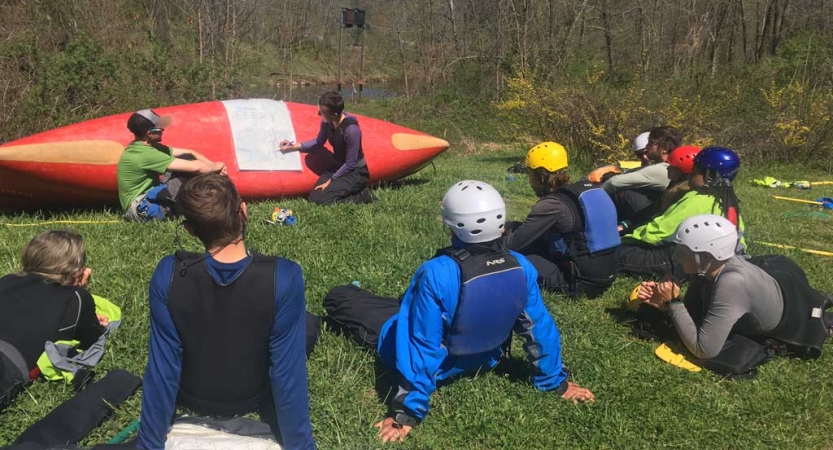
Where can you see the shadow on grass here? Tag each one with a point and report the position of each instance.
(386, 382)
(621, 315)
(58, 211)
(399, 184)
(500, 159)
(515, 369)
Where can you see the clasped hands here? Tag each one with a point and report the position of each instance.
(658, 294)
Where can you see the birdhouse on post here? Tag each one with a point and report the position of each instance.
(352, 17)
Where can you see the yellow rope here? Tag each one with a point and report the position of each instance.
(806, 250)
(59, 221)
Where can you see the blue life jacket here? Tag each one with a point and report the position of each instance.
(596, 230)
(587, 251)
(493, 294)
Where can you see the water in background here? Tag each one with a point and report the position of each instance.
(309, 94)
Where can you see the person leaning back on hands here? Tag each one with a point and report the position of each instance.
(457, 314)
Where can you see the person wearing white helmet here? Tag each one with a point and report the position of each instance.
(638, 193)
(640, 144)
(458, 313)
(765, 298)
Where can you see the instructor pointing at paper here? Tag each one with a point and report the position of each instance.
(346, 181)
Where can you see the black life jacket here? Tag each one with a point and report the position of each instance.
(225, 333)
(801, 327)
(493, 294)
(33, 310)
(336, 138)
(589, 247)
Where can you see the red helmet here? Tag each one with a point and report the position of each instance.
(683, 158)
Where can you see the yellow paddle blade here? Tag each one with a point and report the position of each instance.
(627, 165)
(633, 300)
(665, 353)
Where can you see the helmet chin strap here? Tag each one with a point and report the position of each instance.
(701, 271)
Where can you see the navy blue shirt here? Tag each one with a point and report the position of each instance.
(287, 371)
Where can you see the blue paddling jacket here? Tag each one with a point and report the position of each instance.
(415, 342)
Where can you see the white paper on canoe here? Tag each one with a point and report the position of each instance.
(257, 127)
(194, 437)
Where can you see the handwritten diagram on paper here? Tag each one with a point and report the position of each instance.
(257, 128)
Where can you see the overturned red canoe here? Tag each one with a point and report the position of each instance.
(76, 164)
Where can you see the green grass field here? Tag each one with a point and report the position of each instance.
(641, 401)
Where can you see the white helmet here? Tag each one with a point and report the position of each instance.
(475, 211)
(710, 234)
(641, 142)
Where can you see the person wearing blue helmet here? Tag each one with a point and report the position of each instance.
(648, 251)
(720, 166)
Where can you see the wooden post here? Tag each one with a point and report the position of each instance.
(361, 65)
(340, 31)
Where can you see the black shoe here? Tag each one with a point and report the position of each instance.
(517, 168)
(82, 378)
(367, 196)
(827, 318)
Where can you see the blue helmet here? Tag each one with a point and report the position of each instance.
(722, 160)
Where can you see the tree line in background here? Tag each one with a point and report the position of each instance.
(592, 72)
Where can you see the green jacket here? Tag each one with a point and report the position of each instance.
(662, 228)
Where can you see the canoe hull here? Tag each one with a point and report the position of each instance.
(76, 164)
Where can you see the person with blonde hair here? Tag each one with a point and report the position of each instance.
(45, 301)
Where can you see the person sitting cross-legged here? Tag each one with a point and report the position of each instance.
(143, 196)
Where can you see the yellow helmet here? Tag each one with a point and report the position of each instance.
(549, 155)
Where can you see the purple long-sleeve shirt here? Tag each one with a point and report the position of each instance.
(349, 157)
